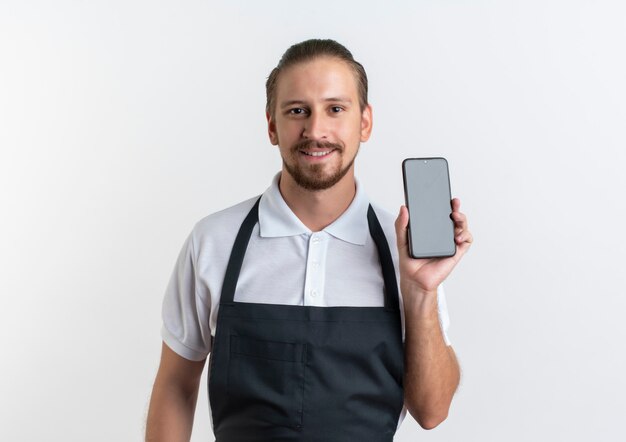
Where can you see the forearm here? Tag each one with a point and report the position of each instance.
(431, 369)
(171, 414)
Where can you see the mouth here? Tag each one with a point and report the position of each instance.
(312, 151)
(317, 153)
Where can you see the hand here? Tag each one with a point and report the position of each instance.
(426, 274)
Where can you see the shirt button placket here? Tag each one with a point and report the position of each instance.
(313, 284)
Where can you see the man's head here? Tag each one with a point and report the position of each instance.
(317, 112)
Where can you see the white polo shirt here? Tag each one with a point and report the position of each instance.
(285, 263)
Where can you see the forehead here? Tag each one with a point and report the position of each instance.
(319, 78)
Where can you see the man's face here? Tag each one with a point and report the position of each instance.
(318, 124)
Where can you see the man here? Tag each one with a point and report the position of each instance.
(294, 295)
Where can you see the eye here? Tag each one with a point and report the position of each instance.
(336, 109)
(296, 111)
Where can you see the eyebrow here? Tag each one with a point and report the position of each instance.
(329, 99)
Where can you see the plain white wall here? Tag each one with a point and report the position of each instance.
(124, 122)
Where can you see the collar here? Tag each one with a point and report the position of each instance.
(277, 220)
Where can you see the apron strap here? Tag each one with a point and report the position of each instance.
(237, 254)
(392, 301)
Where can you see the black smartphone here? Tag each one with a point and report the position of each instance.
(427, 195)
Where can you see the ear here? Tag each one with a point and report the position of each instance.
(366, 123)
(271, 129)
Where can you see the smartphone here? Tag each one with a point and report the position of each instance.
(427, 195)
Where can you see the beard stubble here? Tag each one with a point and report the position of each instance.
(313, 178)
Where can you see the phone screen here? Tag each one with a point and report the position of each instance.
(427, 194)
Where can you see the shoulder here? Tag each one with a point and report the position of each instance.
(387, 221)
(384, 215)
(222, 225)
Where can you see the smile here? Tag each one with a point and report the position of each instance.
(317, 154)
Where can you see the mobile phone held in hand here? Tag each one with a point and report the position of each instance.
(427, 195)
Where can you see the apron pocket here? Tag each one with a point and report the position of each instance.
(266, 381)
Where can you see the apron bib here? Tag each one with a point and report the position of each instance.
(282, 373)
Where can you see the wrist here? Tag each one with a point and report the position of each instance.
(414, 290)
(420, 302)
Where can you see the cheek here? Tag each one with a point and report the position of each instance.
(289, 132)
(351, 133)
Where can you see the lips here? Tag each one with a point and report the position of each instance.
(316, 153)
(316, 149)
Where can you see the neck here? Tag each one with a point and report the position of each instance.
(320, 208)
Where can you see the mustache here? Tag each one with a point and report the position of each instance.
(309, 144)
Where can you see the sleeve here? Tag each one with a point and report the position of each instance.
(185, 314)
(442, 309)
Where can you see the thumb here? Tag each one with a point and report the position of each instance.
(401, 223)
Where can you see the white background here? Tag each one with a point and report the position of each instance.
(122, 123)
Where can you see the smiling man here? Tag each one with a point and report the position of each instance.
(317, 323)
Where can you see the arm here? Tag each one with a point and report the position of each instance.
(431, 370)
(173, 401)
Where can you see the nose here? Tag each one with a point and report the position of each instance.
(315, 127)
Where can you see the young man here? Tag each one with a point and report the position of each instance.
(295, 295)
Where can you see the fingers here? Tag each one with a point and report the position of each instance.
(401, 223)
(464, 237)
(455, 203)
(460, 221)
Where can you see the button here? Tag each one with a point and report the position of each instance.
(314, 293)
(315, 240)
(315, 264)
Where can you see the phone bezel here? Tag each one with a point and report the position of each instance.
(406, 202)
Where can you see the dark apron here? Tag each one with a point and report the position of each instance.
(283, 373)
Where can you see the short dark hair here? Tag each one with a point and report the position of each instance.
(309, 50)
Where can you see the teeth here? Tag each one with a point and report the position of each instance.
(317, 154)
